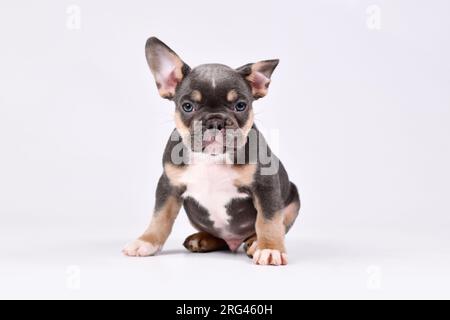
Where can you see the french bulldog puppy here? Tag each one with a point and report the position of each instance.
(217, 165)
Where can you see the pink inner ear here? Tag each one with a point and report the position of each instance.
(168, 75)
(260, 81)
(169, 82)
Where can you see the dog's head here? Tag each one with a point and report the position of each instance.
(214, 112)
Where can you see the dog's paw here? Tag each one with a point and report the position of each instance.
(203, 242)
(193, 244)
(140, 248)
(266, 257)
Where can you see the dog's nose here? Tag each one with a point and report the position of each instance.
(216, 122)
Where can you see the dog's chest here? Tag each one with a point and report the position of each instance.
(212, 184)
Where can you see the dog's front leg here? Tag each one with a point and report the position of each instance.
(168, 205)
(270, 232)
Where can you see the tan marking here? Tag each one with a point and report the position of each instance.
(162, 222)
(174, 173)
(204, 242)
(245, 130)
(165, 93)
(290, 214)
(246, 175)
(270, 232)
(249, 124)
(252, 249)
(196, 96)
(232, 95)
(183, 130)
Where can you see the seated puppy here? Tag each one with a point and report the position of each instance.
(217, 165)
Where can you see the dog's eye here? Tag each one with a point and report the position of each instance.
(187, 107)
(240, 106)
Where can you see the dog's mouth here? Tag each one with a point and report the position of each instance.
(215, 142)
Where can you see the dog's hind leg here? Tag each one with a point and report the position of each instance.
(292, 208)
(203, 242)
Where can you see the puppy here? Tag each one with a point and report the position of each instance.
(217, 165)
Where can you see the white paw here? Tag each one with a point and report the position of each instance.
(139, 248)
(193, 245)
(266, 257)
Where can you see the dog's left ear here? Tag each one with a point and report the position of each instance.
(258, 76)
(167, 67)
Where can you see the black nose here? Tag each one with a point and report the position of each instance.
(216, 122)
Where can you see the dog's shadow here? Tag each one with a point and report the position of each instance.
(299, 250)
(172, 252)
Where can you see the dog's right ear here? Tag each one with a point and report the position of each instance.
(167, 68)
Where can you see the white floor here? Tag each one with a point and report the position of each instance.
(83, 260)
(358, 110)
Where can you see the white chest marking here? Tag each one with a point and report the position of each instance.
(210, 182)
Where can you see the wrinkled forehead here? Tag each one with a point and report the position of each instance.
(214, 82)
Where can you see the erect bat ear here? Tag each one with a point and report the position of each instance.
(258, 76)
(167, 68)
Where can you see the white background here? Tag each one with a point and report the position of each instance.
(363, 117)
